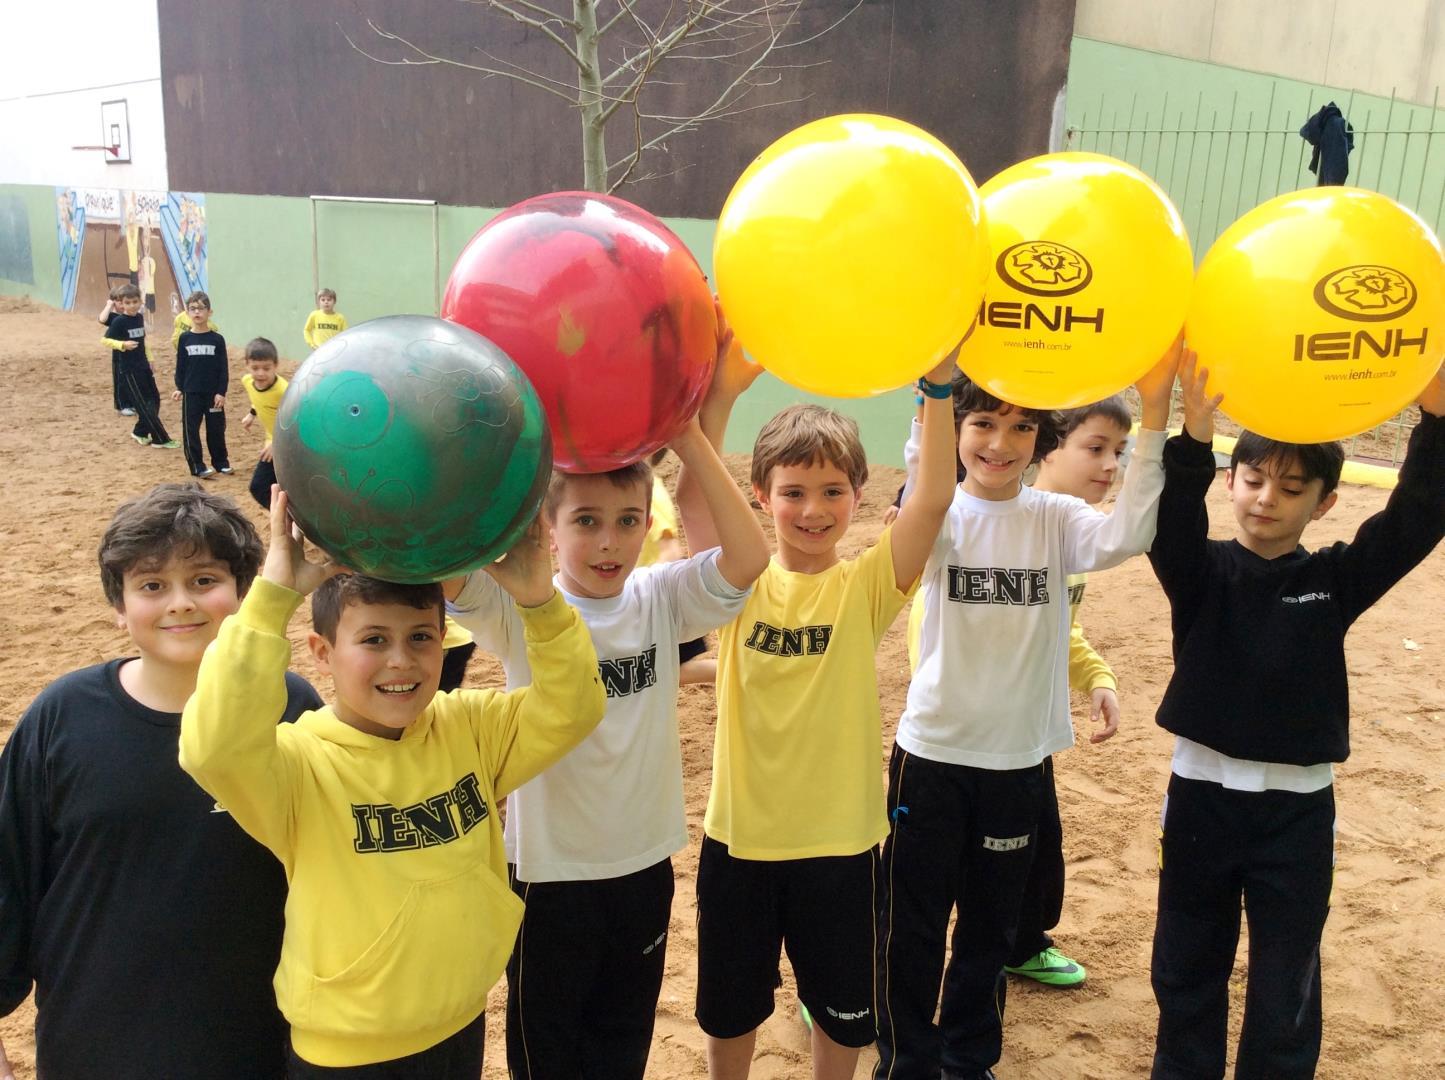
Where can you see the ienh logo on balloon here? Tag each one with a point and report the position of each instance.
(1365, 292)
(1045, 269)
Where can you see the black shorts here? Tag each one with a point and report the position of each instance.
(820, 910)
(691, 650)
(458, 1057)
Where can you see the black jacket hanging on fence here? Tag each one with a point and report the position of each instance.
(1333, 138)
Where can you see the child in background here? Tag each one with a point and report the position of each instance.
(126, 335)
(325, 322)
(383, 807)
(117, 394)
(183, 323)
(592, 839)
(1259, 707)
(149, 923)
(988, 704)
(789, 856)
(264, 388)
(202, 377)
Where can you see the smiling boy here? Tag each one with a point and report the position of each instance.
(148, 922)
(383, 807)
(1259, 707)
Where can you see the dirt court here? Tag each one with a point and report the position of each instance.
(69, 462)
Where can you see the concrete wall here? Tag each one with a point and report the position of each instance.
(28, 241)
(1393, 47)
(60, 63)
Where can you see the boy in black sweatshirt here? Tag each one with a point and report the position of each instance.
(1259, 705)
(125, 333)
(201, 381)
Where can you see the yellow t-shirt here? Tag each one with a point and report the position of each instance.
(321, 327)
(797, 765)
(265, 402)
(664, 522)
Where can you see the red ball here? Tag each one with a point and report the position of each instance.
(607, 313)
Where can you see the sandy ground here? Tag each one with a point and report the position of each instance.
(68, 462)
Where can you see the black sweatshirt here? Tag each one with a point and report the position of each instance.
(201, 363)
(148, 921)
(127, 328)
(1259, 644)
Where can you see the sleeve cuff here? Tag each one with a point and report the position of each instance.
(546, 621)
(1149, 444)
(713, 581)
(268, 607)
(1104, 680)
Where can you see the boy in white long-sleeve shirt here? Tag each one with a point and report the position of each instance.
(988, 703)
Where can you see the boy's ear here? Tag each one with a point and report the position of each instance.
(320, 651)
(1229, 480)
(762, 497)
(1324, 507)
(120, 615)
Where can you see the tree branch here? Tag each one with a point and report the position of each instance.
(504, 6)
(430, 58)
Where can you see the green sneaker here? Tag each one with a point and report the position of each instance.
(805, 1014)
(169, 444)
(143, 440)
(1050, 967)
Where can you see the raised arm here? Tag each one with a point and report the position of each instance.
(1095, 541)
(1393, 542)
(931, 487)
(733, 374)
(537, 724)
(744, 553)
(228, 729)
(1181, 540)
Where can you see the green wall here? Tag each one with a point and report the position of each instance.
(1173, 117)
(36, 205)
(379, 259)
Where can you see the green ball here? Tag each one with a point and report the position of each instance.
(412, 449)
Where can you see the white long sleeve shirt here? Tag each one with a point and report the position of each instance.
(991, 690)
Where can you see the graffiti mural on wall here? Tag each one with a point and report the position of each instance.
(155, 240)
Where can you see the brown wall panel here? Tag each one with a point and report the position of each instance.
(267, 97)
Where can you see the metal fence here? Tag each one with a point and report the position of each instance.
(1217, 161)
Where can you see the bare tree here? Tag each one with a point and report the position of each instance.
(621, 47)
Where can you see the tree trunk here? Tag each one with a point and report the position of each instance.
(589, 97)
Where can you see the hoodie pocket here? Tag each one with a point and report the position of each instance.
(438, 956)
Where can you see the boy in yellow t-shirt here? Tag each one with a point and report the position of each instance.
(796, 810)
(264, 387)
(325, 322)
(383, 806)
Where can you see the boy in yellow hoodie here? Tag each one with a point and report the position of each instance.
(383, 807)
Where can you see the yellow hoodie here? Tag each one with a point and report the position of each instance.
(399, 919)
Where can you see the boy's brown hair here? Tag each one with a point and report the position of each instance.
(639, 472)
(261, 349)
(198, 297)
(325, 292)
(127, 292)
(177, 521)
(1113, 409)
(338, 593)
(809, 435)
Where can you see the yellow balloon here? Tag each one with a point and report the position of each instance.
(850, 255)
(1320, 314)
(1089, 281)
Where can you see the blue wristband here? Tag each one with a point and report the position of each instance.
(935, 390)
